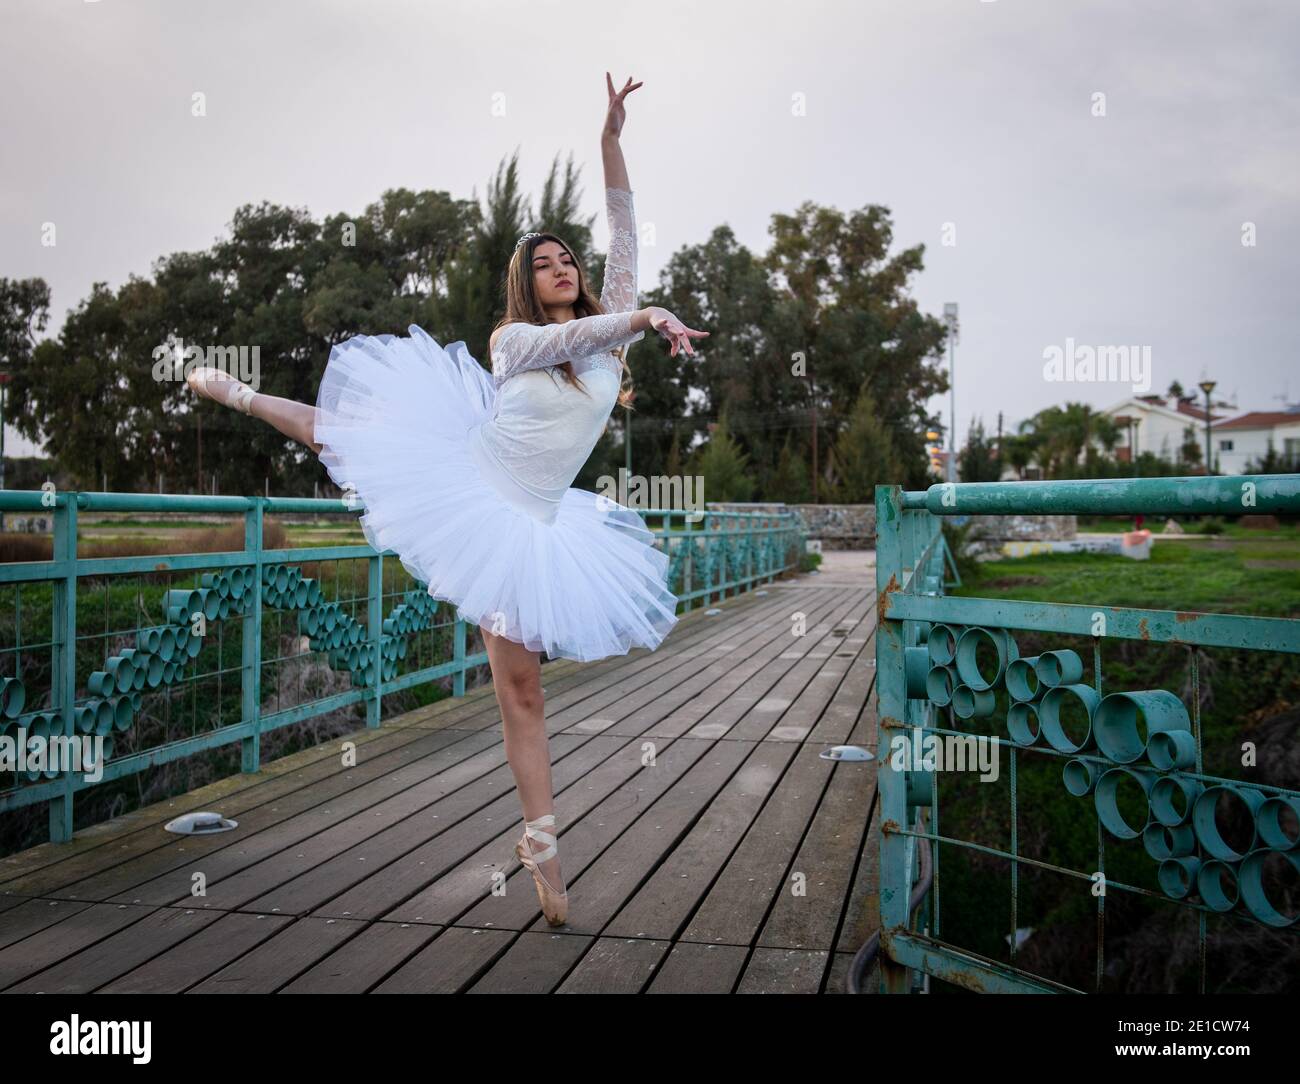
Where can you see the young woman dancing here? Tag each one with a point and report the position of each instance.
(466, 476)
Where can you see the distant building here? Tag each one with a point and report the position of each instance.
(1159, 424)
(1241, 441)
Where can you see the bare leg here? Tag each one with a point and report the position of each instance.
(292, 418)
(517, 679)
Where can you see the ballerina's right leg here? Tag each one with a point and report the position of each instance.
(517, 681)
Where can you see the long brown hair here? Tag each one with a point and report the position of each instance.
(523, 306)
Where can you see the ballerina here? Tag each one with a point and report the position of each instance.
(467, 477)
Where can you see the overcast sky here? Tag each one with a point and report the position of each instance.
(1108, 221)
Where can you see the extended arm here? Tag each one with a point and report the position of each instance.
(517, 347)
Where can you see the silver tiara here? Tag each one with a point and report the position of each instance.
(525, 238)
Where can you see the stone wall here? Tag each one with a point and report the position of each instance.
(853, 526)
(837, 526)
(1025, 528)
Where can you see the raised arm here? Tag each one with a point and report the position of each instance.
(620, 289)
(520, 346)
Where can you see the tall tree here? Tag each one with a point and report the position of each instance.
(864, 453)
(979, 460)
(723, 466)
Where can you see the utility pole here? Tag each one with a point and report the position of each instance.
(814, 449)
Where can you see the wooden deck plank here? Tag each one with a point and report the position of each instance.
(615, 965)
(448, 964)
(662, 906)
(692, 968)
(688, 787)
(364, 960)
(234, 847)
(587, 836)
(59, 940)
(184, 965)
(530, 964)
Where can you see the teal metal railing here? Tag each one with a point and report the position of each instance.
(171, 648)
(945, 663)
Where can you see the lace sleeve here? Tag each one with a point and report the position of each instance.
(522, 346)
(619, 291)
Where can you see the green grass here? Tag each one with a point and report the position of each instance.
(1191, 525)
(1208, 576)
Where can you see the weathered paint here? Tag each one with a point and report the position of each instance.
(1196, 495)
(1163, 626)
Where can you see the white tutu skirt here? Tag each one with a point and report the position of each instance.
(394, 419)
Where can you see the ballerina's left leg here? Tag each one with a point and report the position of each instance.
(294, 419)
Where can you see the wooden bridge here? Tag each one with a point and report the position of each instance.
(706, 845)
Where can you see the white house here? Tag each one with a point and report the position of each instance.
(1241, 441)
(1158, 424)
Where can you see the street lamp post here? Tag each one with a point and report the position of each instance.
(950, 318)
(1207, 386)
(4, 379)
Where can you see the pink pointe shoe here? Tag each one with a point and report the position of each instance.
(222, 388)
(555, 904)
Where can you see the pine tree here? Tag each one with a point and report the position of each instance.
(723, 466)
(864, 454)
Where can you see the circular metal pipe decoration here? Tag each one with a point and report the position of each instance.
(942, 644)
(1107, 803)
(1022, 680)
(1177, 876)
(916, 665)
(1268, 822)
(1250, 882)
(1022, 723)
(1049, 715)
(1120, 718)
(1171, 750)
(1205, 819)
(939, 684)
(1172, 798)
(1059, 668)
(968, 703)
(1216, 882)
(968, 663)
(1079, 776)
(13, 695)
(1162, 841)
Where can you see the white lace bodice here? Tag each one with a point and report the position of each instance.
(543, 428)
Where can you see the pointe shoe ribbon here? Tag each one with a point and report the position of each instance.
(240, 397)
(554, 904)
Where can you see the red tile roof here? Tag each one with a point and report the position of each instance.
(1185, 407)
(1261, 419)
